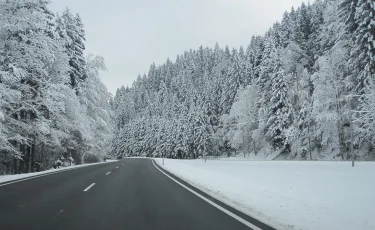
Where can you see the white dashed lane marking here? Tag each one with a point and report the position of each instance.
(87, 189)
(57, 214)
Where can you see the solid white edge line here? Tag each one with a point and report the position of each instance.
(41, 175)
(107, 173)
(87, 189)
(45, 174)
(245, 222)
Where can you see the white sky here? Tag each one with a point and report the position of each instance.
(131, 34)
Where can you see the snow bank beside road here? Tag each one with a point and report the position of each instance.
(6, 178)
(110, 160)
(289, 195)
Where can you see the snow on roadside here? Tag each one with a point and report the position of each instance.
(6, 178)
(136, 158)
(289, 195)
(109, 160)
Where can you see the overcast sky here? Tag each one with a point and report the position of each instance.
(131, 34)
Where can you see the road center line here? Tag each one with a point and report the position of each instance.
(107, 173)
(229, 213)
(87, 189)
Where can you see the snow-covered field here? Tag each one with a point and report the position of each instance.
(289, 195)
(5, 178)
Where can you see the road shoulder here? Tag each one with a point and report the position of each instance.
(236, 212)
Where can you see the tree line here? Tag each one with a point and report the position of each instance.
(304, 89)
(52, 102)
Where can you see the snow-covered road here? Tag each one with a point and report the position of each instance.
(289, 195)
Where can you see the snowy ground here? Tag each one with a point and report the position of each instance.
(289, 195)
(239, 157)
(5, 178)
(109, 160)
(137, 157)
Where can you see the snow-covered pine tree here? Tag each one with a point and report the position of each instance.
(280, 115)
(316, 21)
(347, 9)
(233, 82)
(286, 29)
(363, 57)
(73, 26)
(303, 32)
(363, 53)
(263, 82)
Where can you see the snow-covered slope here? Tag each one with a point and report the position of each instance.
(289, 195)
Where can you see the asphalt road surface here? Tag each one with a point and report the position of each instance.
(127, 194)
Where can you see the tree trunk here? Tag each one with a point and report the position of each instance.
(255, 149)
(42, 158)
(22, 160)
(15, 166)
(30, 149)
(32, 154)
(308, 132)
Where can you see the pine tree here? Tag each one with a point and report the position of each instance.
(233, 82)
(71, 29)
(364, 50)
(286, 29)
(264, 82)
(316, 22)
(280, 113)
(303, 31)
(347, 14)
